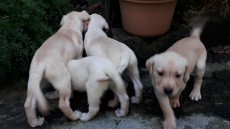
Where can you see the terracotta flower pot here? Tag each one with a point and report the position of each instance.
(147, 18)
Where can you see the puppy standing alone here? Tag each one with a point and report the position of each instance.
(97, 43)
(170, 70)
(49, 63)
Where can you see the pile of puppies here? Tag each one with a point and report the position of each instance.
(59, 62)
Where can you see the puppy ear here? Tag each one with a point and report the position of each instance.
(186, 74)
(63, 20)
(84, 16)
(106, 26)
(149, 65)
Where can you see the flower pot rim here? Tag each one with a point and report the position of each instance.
(149, 1)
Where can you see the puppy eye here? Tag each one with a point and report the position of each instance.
(178, 75)
(160, 73)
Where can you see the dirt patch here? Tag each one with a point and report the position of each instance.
(221, 53)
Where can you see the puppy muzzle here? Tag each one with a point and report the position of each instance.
(168, 91)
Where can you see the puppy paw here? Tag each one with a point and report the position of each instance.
(112, 103)
(135, 100)
(85, 117)
(195, 95)
(169, 124)
(41, 121)
(37, 122)
(175, 102)
(77, 115)
(120, 113)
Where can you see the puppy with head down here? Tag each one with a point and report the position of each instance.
(95, 75)
(49, 63)
(170, 70)
(96, 43)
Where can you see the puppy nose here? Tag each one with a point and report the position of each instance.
(168, 91)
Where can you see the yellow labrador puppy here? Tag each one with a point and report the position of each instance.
(97, 43)
(95, 75)
(169, 72)
(49, 63)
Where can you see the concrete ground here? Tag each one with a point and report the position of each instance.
(211, 112)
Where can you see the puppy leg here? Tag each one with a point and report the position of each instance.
(123, 98)
(64, 104)
(170, 120)
(133, 74)
(199, 73)
(61, 80)
(174, 101)
(124, 109)
(95, 90)
(30, 105)
(52, 95)
(114, 102)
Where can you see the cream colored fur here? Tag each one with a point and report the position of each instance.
(95, 75)
(49, 63)
(97, 43)
(170, 70)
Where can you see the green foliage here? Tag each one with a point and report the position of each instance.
(24, 26)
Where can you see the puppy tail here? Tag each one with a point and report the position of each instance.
(196, 32)
(34, 86)
(198, 25)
